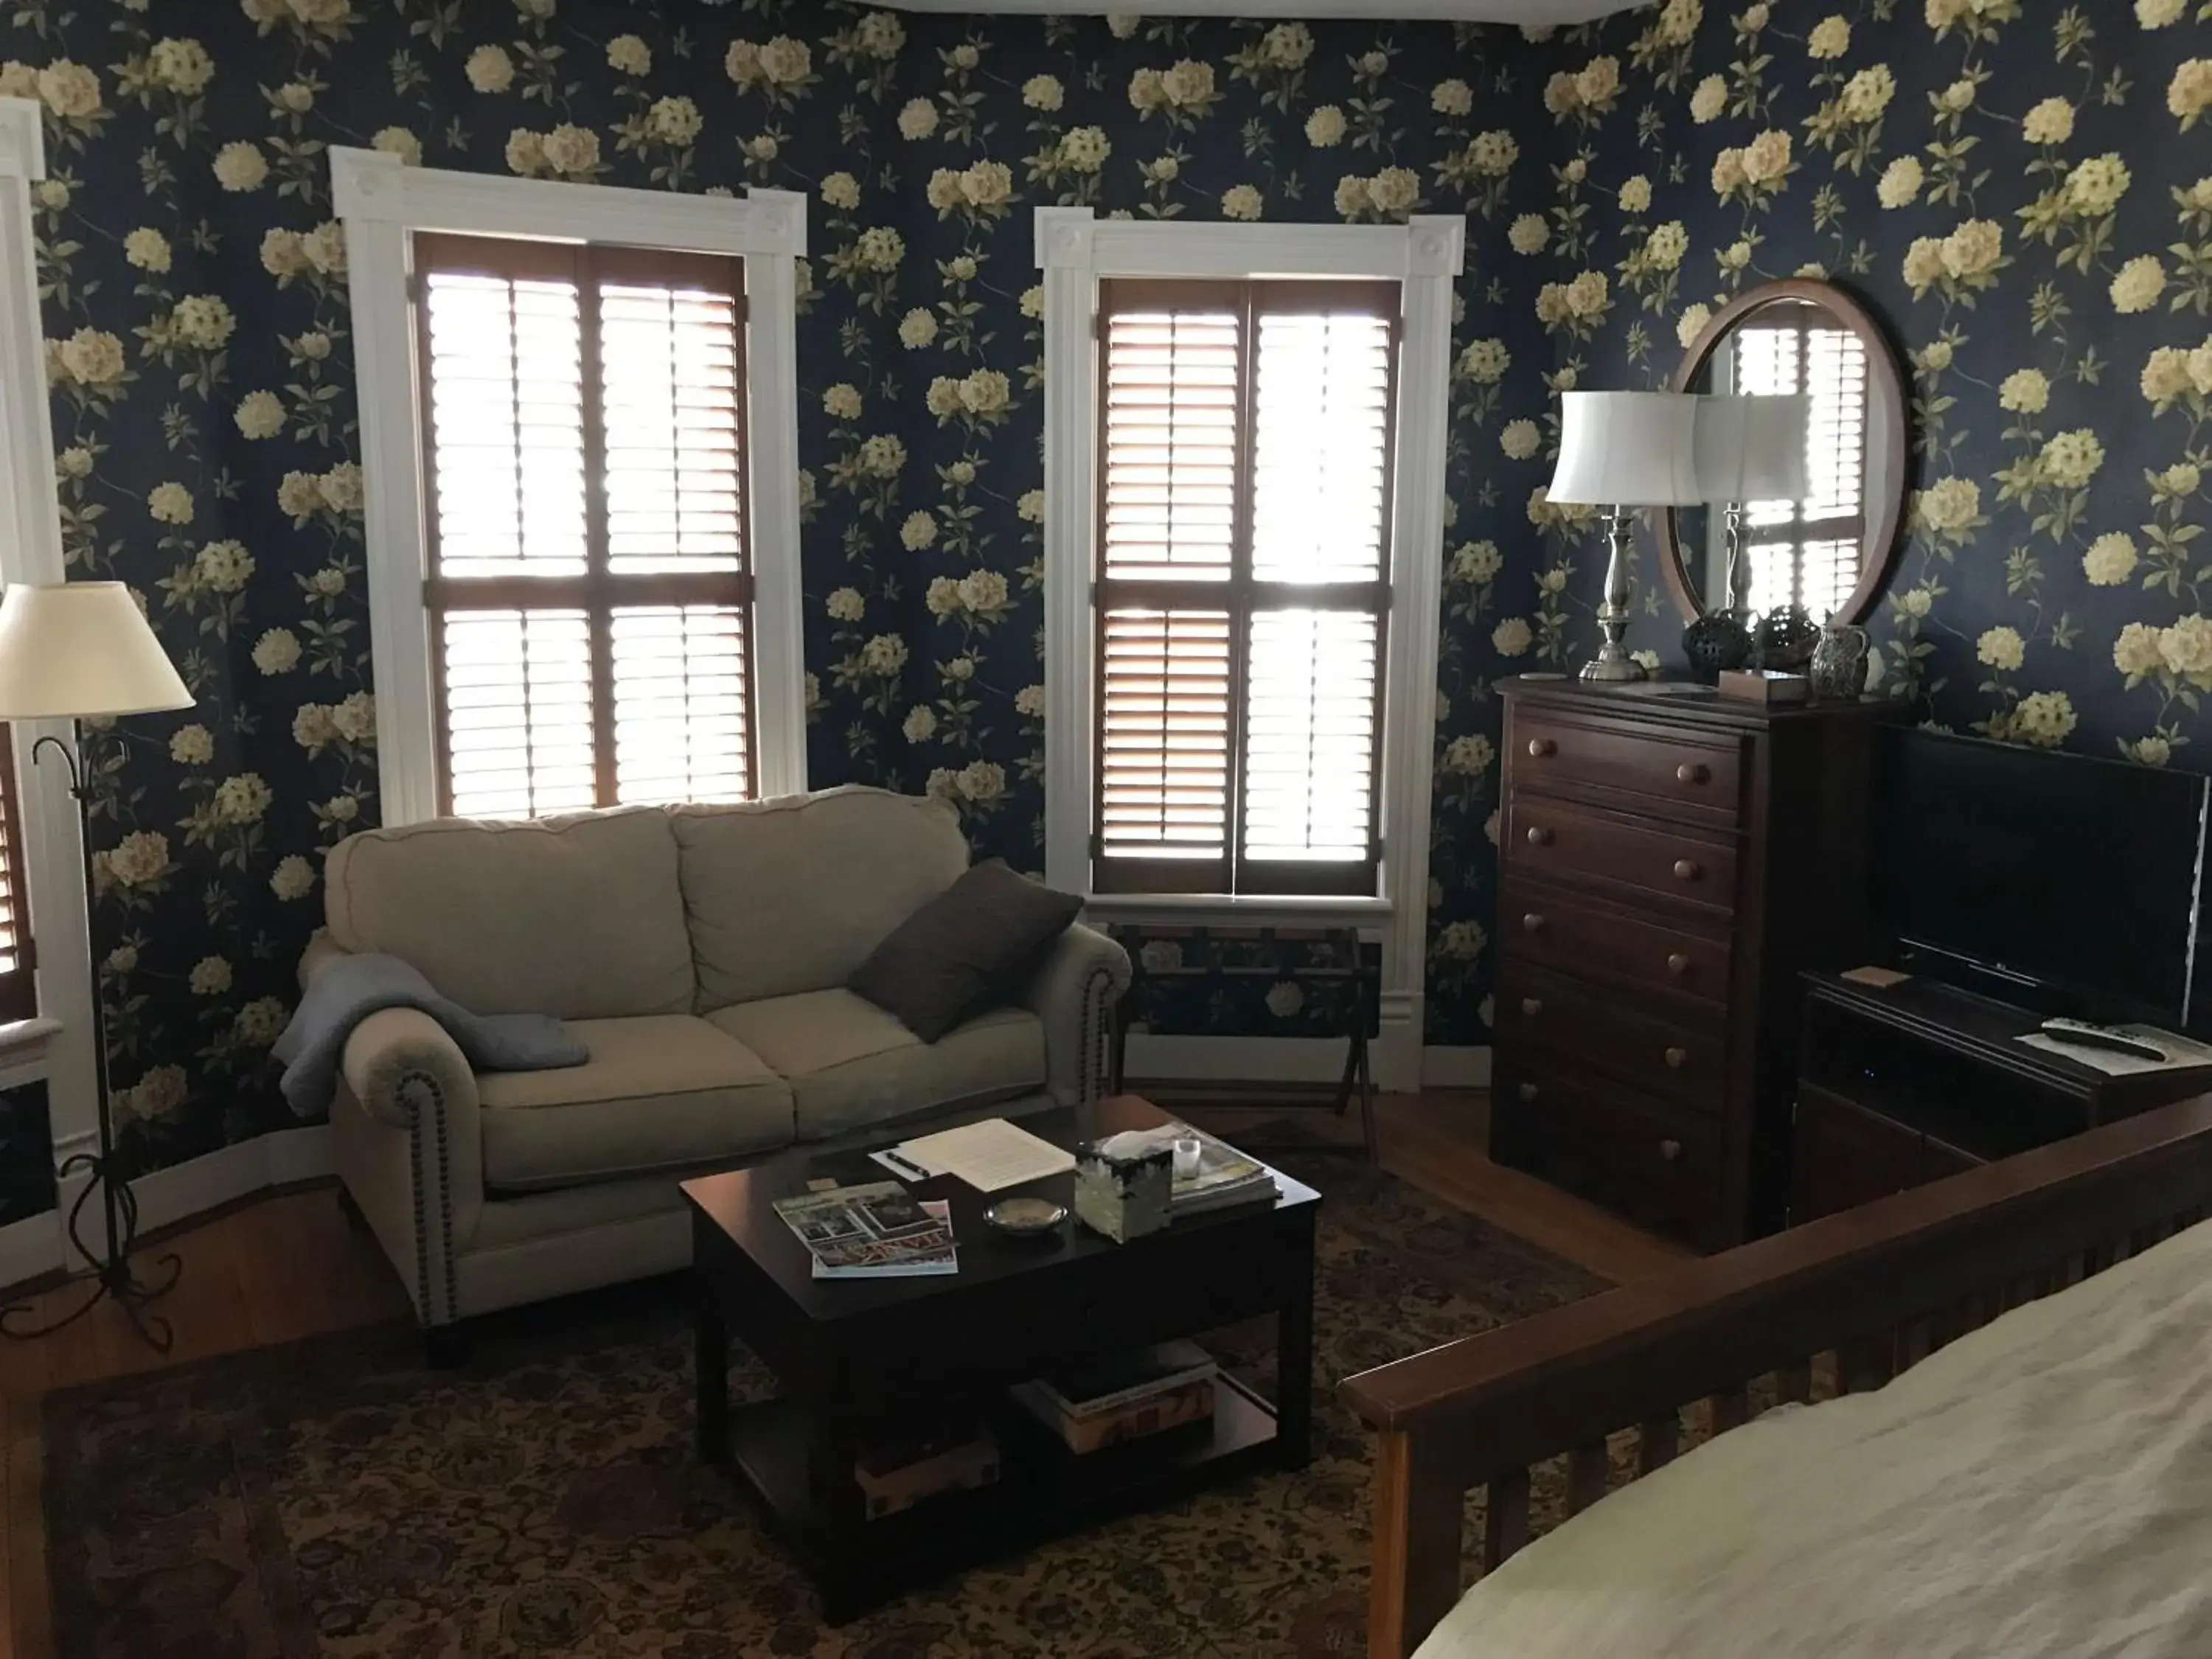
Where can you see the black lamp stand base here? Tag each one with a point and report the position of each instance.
(114, 1276)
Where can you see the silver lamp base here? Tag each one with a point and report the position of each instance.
(1612, 665)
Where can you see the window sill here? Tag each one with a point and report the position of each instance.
(23, 1050)
(1235, 909)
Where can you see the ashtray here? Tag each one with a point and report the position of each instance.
(1025, 1218)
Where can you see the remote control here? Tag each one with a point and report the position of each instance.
(2099, 1036)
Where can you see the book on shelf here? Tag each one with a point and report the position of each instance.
(895, 1473)
(1099, 1386)
(875, 1230)
(1168, 1408)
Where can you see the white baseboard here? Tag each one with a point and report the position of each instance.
(185, 1190)
(1455, 1066)
(30, 1247)
(1289, 1060)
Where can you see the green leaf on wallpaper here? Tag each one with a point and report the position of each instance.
(2064, 632)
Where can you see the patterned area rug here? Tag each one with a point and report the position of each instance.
(332, 1500)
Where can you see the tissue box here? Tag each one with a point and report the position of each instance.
(1123, 1194)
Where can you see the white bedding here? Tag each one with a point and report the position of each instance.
(2041, 1489)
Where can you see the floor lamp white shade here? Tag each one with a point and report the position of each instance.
(1627, 449)
(80, 650)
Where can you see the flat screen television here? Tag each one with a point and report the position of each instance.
(2062, 883)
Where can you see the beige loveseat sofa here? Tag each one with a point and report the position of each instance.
(700, 954)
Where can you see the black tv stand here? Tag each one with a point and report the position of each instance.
(1904, 1085)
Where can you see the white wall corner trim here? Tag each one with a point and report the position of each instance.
(382, 202)
(31, 551)
(1075, 249)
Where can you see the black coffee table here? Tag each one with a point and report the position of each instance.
(857, 1357)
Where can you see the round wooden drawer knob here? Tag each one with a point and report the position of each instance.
(1687, 870)
(1678, 964)
(1538, 835)
(1532, 1006)
(1533, 922)
(1542, 748)
(1527, 1091)
(1691, 772)
(1670, 1150)
(1677, 1059)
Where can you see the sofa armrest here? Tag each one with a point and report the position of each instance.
(1073, 992)
(410, 1148)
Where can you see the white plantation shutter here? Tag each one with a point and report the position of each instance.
(1244, 505)
(1806, 552)
(590, 589)
(19, 997)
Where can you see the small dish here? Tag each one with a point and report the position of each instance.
(1025, 1218)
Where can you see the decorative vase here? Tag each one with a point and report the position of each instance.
(1786, 636)
(1716, 641)
(1839, 663)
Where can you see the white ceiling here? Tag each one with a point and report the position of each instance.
(1457, 11)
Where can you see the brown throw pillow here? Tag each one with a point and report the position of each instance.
(954, 957)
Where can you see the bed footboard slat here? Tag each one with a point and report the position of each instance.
(1588, 1468)
(1418, 1514)
(1731, 1409)
(1793, 1384)
(1864, 1366)
(1656, 1441)
(1505, 1518)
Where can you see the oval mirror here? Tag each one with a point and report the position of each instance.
(1828, 546)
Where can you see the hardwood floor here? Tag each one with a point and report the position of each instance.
(289, 1266)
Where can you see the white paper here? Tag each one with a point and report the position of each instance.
(988, 1156)
(2180, 1051)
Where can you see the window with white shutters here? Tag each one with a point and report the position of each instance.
(1806, 552)
(590, 588)
(18, 994)
(1241, 590)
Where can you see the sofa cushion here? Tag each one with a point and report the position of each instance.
(852, 1065)
(661, 1091)
(580, 917)
(957, 954)
(792, 894)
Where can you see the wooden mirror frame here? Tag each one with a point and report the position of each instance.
(1885, 384)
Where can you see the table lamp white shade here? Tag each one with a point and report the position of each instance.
(1627, 449)
(77, 650)
(1753, 449)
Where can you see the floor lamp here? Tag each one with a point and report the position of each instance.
(82, 650)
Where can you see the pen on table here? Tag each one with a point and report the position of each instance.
(907, 1166)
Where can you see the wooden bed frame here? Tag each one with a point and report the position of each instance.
(1879, 1287)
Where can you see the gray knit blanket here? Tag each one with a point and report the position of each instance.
(349, 990)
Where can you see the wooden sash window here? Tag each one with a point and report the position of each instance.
(1806, 552)
(1243, 584)
(590, 581)
(19, 991)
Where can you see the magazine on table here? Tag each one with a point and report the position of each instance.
(877, 1230)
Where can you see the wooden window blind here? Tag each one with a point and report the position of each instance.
(1243, 585)
(19, 991)
(590, 586)
(1806, 552)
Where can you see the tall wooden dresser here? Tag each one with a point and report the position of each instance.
(1670, 860)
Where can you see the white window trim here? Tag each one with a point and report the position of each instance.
(382, 202)
(1075, 249)
(57, 1044)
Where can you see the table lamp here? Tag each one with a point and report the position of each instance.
(84, 651)
(1749, 449)
(1623, 450)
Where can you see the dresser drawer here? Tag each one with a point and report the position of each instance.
(1542, 926)
(1659, 1163)
(1586, 1024)
(1645, 758)
(1546, 836)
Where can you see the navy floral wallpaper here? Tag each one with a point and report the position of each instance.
(2009, 182)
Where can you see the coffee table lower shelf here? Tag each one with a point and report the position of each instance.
(1044, 1491)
